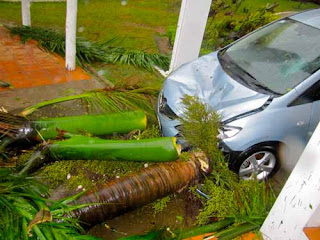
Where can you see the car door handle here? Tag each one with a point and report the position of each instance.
(301, 123)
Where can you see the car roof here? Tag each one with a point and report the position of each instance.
(310, 17)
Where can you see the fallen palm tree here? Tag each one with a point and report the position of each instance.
(140, 188)
(96, 125)
(88, 148)
(13, 128)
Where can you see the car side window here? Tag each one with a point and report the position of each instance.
(311, 95)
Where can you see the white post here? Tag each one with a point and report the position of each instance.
(298, 204)
(25, 10)
(71, 34)
(191, 26)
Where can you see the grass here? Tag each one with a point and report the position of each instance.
(134, 24)
(129, 75)
(284, 5)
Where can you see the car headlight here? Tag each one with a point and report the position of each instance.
(228, 132)
(165, 109)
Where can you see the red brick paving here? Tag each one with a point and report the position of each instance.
(25, 65)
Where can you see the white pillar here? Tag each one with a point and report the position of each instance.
(71, 34)
(298, 204)
(191, 26)
(25, 10)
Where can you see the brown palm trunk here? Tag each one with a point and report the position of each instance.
(135, 190)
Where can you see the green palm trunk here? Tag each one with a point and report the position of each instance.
(96, 125)
(89, 148)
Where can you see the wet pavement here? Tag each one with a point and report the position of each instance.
(36, 75)
(144, 220)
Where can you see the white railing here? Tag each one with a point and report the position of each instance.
(71, 29)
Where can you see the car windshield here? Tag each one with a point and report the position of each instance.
(277, 57)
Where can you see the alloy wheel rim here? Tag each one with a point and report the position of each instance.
(257, 166)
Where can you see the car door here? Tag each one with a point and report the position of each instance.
(297, 126)
(308, 106)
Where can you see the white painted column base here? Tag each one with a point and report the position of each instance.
(71, 34)
(25, 10)
(191, 26)
(298, 204)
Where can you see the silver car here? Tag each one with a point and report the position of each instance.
(266, 88)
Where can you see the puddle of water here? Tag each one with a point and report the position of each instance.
(143, 220)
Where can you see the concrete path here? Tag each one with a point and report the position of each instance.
(36, 75)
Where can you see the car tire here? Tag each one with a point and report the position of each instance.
(259, 162)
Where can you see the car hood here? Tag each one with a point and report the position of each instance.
(206, 79)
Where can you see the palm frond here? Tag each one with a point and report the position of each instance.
(88, 52)
(22, 201)
(110, 100)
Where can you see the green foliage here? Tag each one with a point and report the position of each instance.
(171, 33)
(160, 204)
(200, 126)
(123, 99)
(134, 23)
(152, 131)
(88, 52)
(220, 205)
(110, 100)
(26, 214)
(246, 201)
(228, 23)
(254, 199)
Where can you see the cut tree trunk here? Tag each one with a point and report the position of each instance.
(87, 148)
(135, 190)
(96, 125)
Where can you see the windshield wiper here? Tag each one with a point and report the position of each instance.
(241, 75)
(232, 68)
(259, 84)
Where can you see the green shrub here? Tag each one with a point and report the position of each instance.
(245, 201)
(227, 23)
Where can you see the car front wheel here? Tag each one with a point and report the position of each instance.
(257, 163)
